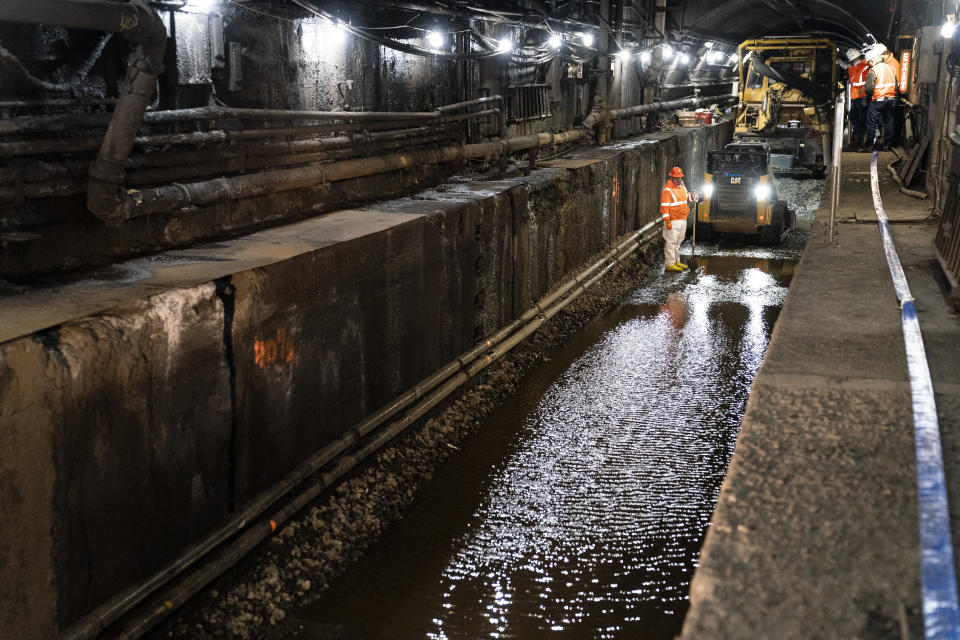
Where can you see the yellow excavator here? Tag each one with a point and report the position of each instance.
(784, 121)
(787, 91)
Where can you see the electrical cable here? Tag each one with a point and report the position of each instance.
(14, 66)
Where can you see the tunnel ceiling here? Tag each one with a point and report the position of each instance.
(845, 21)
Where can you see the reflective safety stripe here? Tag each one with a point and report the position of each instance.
(678, 197)
(886, 81)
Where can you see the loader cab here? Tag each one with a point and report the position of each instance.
(740, 194)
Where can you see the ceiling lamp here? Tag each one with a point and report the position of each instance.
(949, 27)
(435, 39)
(587, 39)
(505, 45)
(555, 41)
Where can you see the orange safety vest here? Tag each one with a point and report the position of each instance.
(858, 78)
(673, 202)
(894, 64)
(886, 82)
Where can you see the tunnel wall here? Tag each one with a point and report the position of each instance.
(126, 434)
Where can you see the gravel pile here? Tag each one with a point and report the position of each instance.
(297, 564)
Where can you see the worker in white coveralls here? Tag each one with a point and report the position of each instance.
(675, 208)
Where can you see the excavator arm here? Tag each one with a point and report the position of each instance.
(821, 96)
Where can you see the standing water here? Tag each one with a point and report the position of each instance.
(579, 508)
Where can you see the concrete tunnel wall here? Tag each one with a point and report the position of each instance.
(128, 434)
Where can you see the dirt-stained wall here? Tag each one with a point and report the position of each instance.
(127, 434)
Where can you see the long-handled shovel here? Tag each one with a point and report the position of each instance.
(693, 244)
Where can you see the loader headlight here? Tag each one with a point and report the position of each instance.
(762, 191)
(708, 190)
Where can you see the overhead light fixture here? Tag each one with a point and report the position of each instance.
(949, 27)
(715, 57)
(684, 58)
(587, 39)
(435, 39)
(667, 52)
(555, 41)
(645, 57)
(624, 55)
(505, 45)
(734, 58)
(708, 45)
(202, 6)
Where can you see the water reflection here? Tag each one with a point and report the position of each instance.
(595, 492)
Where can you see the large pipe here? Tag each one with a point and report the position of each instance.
(179, 196)
(184, 195)
(597, 117)
(39, 124)
(139, 24)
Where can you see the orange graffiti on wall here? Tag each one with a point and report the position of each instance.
(616, 200)
(273, 350)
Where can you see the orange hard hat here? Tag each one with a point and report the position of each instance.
(676, 172)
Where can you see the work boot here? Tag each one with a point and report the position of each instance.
(682, 266)
(674, 267)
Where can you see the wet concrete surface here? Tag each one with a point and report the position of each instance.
(577, 510)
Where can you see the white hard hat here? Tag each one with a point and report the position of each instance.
(882, 48)
(853, 54)
(875, 52)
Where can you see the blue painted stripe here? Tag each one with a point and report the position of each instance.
(941, 612)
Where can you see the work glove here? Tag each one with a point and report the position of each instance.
(669, 225)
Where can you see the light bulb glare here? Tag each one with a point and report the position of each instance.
(949, 28)
(202, 6)
(435, 39)
(505, 45)
(587, 39)
(555, 41)
(684, 58)
(645, 57)
(667, 52)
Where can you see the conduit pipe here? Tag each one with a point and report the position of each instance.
(431, 392)
(54, 123)
(139, 24)
(70, 185)
(597, 118)
(214, 136)
(179, 196)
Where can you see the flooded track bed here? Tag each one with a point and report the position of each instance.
(579, 507)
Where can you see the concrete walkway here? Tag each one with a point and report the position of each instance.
(815, 532)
